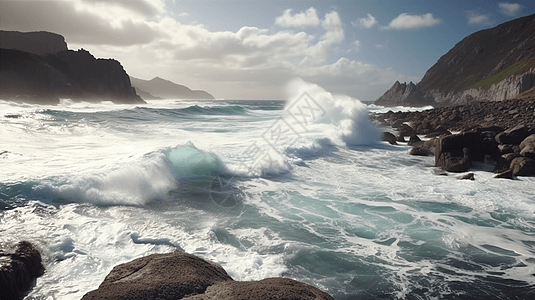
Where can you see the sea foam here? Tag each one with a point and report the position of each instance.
(346, 117)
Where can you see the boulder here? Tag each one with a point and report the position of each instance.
(159, 276)
(469, 176)
(414, 139)
(505, 174)
(508, 148)
(527, 147)
(523, 166)
(184, 276)
(18, 270)
(389, 137)
(405, 130)
(504, 162)
(455, 153)
(266, 289)
(420, 151)
(513, 136)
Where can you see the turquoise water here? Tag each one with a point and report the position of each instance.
(248, 185)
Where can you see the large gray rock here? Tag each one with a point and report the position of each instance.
(523, 166)
(455, 153)
(18, 269)
(266, 289)
(185, 276)
(513, 136)
(527, 147)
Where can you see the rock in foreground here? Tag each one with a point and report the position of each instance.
(18, 269)
(184, 276)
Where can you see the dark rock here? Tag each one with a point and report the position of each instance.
(37, 42)
(389, 137)
(18, 270)
(503, 163)
(505, 174)
(420, 151)
(508, 148)
(400, 138)
(185, 276)
(455, 153)
(268, 289)
(405, 130)
(523, 166)
(513, 136)
(489, 146)
(527, 147)
(160, 276)
(469, 176)
(76, 75)
(413, 140)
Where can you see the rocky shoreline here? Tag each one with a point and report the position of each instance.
(502, 131)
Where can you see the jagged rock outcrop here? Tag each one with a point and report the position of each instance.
(402, 94)
(18, 269)
(38, 42)
(489, 65)
(76, 75)
(184, 276)
(166, 89)
(59, 73)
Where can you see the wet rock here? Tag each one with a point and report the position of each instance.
(469, 176)
(527, 147)
(405, 130)
(413, 140)
(389, 137)
(185, 276)
(269, 289)
(513, 136)
(505, 174)
(523, 166)
(18, 270)
(420, 151)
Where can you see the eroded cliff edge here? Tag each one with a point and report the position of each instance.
(490, 65)
(43, 75)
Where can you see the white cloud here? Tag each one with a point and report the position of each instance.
(365, 22)
(183, 14)
(302, 19)
(250, 63)
(479, 19)
(380, 46)
(406, 21)
(357, 45)
(510, 9)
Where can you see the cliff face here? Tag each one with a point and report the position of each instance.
(39, 43)
(161, 88)
(77, 75)
(402, 94)
(489, 65)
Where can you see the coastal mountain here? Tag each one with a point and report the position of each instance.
(38, 68)
(161, 88)
(489, 65)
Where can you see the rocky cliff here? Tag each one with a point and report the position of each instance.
(489, 65)
(40, 42)
(161, 88)
(77, 75)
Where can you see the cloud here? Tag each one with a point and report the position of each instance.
(249, 63)
(183, 14)
(406, 21)
(479, 19)
(302, 19)
(510, 9)
(365, 22)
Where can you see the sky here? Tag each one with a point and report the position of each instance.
(251, 49)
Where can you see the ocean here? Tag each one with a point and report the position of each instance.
(301, 188)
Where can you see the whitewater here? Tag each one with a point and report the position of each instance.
(300, 188)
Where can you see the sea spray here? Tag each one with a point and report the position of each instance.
(346, 116)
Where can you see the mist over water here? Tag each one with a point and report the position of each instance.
(316, 197)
